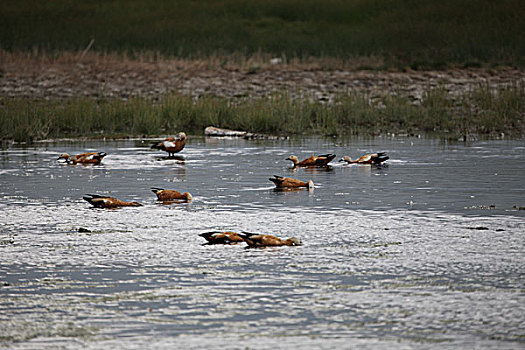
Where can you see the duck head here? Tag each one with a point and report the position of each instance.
(64, 156)
(188, 196)
(295, 240)
(346, 159)
(310, 184)
(181, 136)
(294, 159)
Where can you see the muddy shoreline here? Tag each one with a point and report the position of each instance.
(116, 77)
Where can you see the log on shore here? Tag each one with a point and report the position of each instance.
(219, 132)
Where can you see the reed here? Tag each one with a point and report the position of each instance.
(479, 111)
(417, 34)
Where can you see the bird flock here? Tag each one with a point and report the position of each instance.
(175, 144)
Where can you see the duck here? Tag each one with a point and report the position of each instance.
(372, 158)
(171, 195)
(320, 161)
(288, 182)
(84, 158)
(218, 237)
(171, 144)
(255, 240)
(99, 201)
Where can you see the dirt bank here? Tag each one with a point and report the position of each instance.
(117, 77)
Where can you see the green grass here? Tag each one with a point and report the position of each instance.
(480, 111)
(404, 33)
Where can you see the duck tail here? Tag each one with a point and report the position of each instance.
(208, 234)
(94, 195)
(156, 189)
(276, 179)
(328, 155)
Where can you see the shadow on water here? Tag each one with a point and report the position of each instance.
(402, 255)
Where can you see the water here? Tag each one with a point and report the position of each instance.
(426, 252)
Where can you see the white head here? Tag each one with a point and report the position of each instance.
(181, 136)
(188, 196)
(295, 240)
(65, 156)
(294, 159)
(310, 184)
(345, 159)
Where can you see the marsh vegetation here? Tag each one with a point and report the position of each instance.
(481, 111)
(138, 68)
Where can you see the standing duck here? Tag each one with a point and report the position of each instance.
(171, 145)
(255, 240)
(84, 158)
(320, 161)
(217, 237)
(372, 158)
(171, 195)
(99, 201)
(288, 182)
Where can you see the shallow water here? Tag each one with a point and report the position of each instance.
(424, 252)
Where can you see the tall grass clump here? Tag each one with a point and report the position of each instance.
(497, 110)
(482, 110)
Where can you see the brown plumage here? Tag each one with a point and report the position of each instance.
(99, 201)
(320, 161)
(372, 158)
(171, 195)
(217, 237)
(84, 158)
(288, 182)
(259, 240)
(171, 145)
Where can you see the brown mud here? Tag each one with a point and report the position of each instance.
(111, 76)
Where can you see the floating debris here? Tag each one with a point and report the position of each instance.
(484, 207)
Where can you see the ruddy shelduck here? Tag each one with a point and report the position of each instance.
(171, 145)
(288, 182)
(255, 240)
(99, 201)
(84, 158)
(372, 158)
(319, 161)
(218, 237)
(171, 195)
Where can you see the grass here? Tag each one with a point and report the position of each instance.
(419, 34)
(479, 111)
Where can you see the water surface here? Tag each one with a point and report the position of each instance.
(426, 251)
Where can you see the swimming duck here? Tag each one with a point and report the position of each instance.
(99, 201)
(217, 237)
(321, 160)
(171, 144)
(261, 240)
(84, 158)
(288, 182)
(372, 158)
(171, 195)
